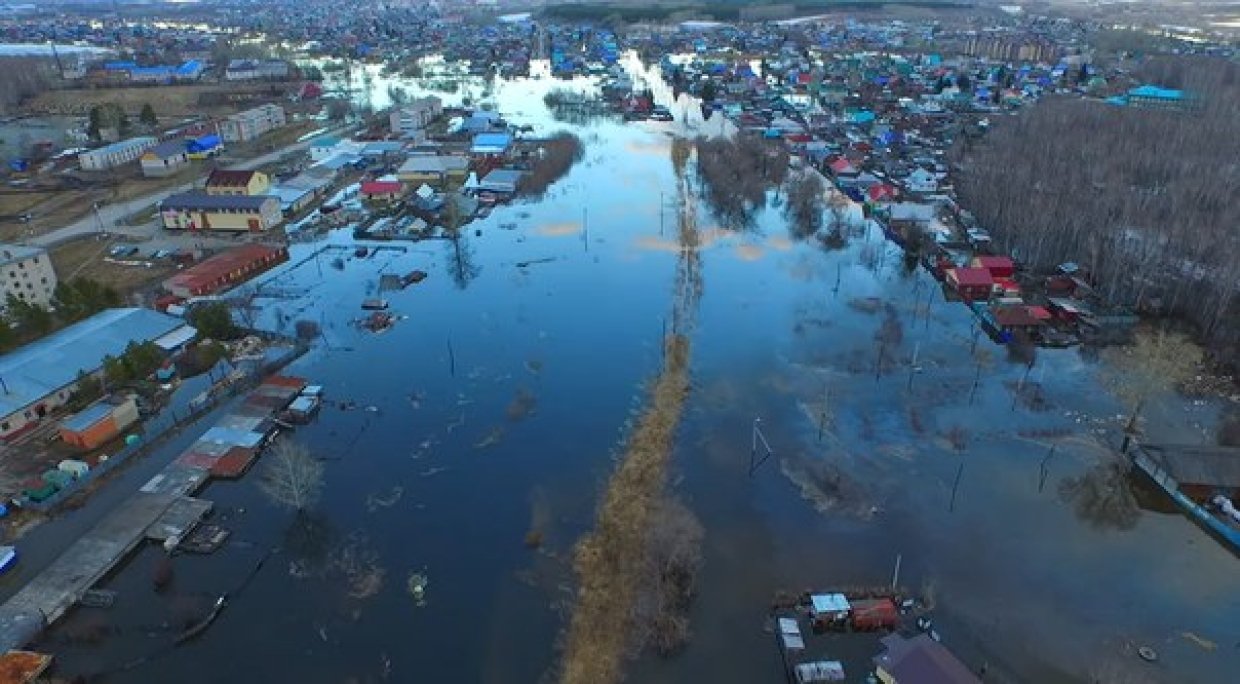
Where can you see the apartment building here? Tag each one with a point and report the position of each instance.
(252, 123)
(26, 273)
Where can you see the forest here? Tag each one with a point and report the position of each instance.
(1143, 200)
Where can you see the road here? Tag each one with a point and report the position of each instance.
(110, 215)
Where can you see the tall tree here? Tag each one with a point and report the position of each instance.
(147, 116)
(292, 477)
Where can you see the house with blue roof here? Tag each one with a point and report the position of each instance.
(41, 376)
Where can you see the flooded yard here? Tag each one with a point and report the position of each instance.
(466, 450)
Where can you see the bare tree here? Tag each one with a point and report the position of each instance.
(1157, 361)
(805, 204)
(293, 478)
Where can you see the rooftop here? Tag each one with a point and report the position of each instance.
(201, 201)
(44, 366)
(221, 178)
(11, 253)
(922, 660)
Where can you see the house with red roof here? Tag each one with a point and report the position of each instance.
(382, 190)
(972, 284)
(999, 266)
(842, 167)
(881, 193)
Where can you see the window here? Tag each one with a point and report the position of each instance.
(4, 426)
(43, 280)
(26, 414)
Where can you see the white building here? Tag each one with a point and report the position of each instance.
(26, 273)
(411, 120)
(116, 154)
(252, 123)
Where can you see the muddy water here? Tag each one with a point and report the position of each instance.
(433, 473)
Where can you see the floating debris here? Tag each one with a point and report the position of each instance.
(456, 423)
(435, 470)
(522, 406)
(492, 438)
(416, 585)
(374, 501)
(534, 366)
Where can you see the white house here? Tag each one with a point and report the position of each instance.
(921, 181)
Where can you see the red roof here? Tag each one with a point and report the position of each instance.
(221, 178)
(842, 165)
(971, 277)
(882, 191)
(994, 263)
(1014, 316)
(224, 268)
(381, 187)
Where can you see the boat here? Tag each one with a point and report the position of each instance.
(202, 625)
(8, 557)
(374, 304)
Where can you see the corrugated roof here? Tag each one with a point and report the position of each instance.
(201, 201)
(223, 178)
(43, 367)
(87, 417)
(1215, 466)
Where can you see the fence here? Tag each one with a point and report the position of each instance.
(157, 431)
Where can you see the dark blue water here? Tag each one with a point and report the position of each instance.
(515, 429)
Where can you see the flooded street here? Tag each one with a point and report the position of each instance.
(496, 406)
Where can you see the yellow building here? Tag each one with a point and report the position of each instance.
(222, 182)
(231, 213)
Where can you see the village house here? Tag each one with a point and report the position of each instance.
(919, 660)
(252, 123)
(233, 213)
(972, 284)
(116, 154)
(434, 170)
(42, 376)
(165, 159)
(505, 181)
(1023, 318)
(26, 273)
(921, 181)
(382, 190)
(222, 182)
(491, 144)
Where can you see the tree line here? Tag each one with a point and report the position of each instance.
(22, 78)
(1142, 199)
(72, 301)
(736, 173)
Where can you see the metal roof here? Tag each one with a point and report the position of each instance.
(201, 201)
(1190, 464)
(47, 365)
(87, 417)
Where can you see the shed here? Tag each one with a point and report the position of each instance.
(999, 266)
(74, 467)
(99, 423)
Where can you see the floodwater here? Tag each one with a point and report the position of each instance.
(495, 406)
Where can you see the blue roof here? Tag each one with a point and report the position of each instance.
(189, 67)
(88, 417)
(492, 140)
(1155, 92)
(203, 143)
(40, 368)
